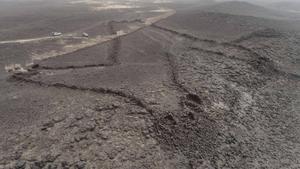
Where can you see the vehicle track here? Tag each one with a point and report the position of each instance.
(161, 124)
(113, 53)
(73, 67)
(210, 41)
(39, 39)
(265, 33)
(191, 99)
(215, 53)
(67, 36)
(165, 124)
(103, 40)
(171, 59)
(113, 56)
(137, 101)
(116, 43)
(262, 64)
(185, 35)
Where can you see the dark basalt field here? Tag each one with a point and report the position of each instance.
(202, 88)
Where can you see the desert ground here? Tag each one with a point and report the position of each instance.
(155, 85)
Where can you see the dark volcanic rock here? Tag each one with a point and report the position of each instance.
(197, 90)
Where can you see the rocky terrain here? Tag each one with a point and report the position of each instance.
(194, 89)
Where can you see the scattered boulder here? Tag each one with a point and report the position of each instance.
(20, 165)
(80, 165)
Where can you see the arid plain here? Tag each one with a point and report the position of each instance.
(154, 85)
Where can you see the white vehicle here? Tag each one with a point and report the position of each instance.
(56, 33)
(120, 33)
(85, 34)
(15, 68)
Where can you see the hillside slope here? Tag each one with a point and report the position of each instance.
(248, 9)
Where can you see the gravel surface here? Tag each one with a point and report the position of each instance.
(177, 94)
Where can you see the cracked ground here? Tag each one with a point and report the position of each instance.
(172, 95)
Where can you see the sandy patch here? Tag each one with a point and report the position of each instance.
(105, 5)
(100, 39)
(162, 1)
(160, 10)
(152, 20)
(114, 6)
(92, 2)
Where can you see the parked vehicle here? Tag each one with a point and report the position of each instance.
(85, 34)
(56, 33)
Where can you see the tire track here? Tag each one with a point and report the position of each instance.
(171, 59)
(265, 33)
(31, 40)
(113, 52)
(160, 118)
(117, 42)
(214, 42)
(92, 43)
(185, 35)
(126, 21)
(73, 67)
(70, 35)
(137, 101)
(179, 130)
(165, 124)
(216, 53)
(258, 62)
(262, 64)
(105, 39)
(174, 74)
